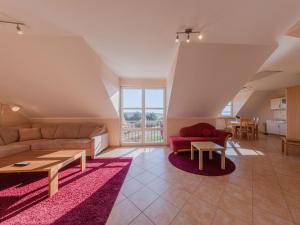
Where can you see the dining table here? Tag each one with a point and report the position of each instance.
(236, 124)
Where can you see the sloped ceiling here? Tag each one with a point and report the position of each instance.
(56, 57)
(209, 75)
(136, 37)
(53, 77)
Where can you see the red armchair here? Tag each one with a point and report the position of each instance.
(197, 132)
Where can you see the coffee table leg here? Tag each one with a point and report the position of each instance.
(192, 152)
(83, 162)
(223, 160)
(210, 155)
(53, 181)
(200, 160)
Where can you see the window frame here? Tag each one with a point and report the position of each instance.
(230, 103)
(143, 128)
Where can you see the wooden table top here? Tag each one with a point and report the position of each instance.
(40, 160)
(238, 123)
(206, 145)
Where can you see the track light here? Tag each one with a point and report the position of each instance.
(18, 27)
(19, 30)
(177, 38)
(188, 33)
(188, 38)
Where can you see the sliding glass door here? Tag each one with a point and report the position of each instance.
(142, 115)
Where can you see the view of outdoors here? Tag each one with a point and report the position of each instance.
(142, 115)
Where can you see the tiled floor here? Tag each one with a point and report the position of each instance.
(264, 189)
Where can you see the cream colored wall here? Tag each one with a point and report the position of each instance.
(293, 112)
(113, 125)
(143, 83)
(10, 118)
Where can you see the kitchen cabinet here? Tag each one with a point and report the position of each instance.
(276, 127)
(278, 103)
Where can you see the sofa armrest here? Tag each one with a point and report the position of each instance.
(224, 136)
(99, 143)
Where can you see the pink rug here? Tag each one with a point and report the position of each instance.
(83, 197)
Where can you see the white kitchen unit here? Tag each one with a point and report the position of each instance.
(276, 127)
(278, 103)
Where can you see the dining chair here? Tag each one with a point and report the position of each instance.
(256, 120)
(244, 128)
(228, 125)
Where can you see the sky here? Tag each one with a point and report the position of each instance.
(132, 98)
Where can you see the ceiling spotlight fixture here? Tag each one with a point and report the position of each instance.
(188, 33)
(188, 38)
(200, 36)
(19, 30)
(177, 38)
(18, 27)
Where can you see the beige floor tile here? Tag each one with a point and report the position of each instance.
(131, 187)
(141, 220)
(161, 212)
(263, 218)
(120, 198)
(123, 213)
(243, 182)
(176, 196)
(143, 198)
(184, 219)
(135, 170)
(158, 185)
(275, 206)
(223, 218)
(209, 193)
(234, 206)
(232, 190)
(199, 211)
(145, 177)
(264, 180)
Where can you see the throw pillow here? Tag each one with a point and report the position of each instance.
(30, 134)
(9, 135)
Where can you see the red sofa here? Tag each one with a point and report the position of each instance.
(197, 132)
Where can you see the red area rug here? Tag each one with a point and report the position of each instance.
(83, 197)
(211, 167)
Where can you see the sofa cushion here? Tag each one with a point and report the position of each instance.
(67, 131)
(9, 135)
(13, 148)
(47, 130)
(86, 130)
(1, 141)
(74, 143)
(44, 144)
(30, 134)
(98, 131)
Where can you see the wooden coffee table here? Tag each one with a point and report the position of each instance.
(210, 147)
(41, 161)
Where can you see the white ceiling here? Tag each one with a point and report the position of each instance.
(136, 37)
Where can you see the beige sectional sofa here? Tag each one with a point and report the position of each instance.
(92, 138)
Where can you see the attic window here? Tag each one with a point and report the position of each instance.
(227, 111)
